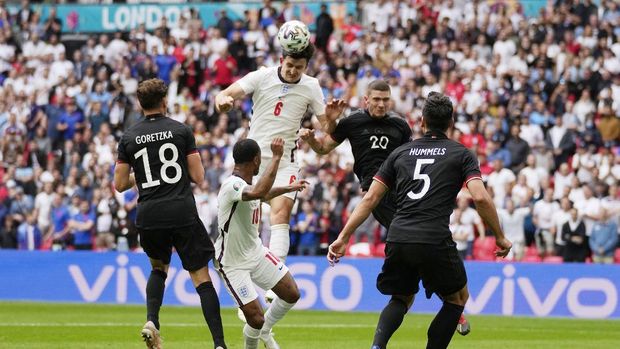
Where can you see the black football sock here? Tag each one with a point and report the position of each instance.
(211, 311)
(155, 295)
(442, 328)
(390, 319)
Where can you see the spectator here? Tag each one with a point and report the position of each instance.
(574, 235)
(500, 181)
(513, 220)
(308, 228)
(8, 233)
(543, 213)
(562, 141)
(460, 233)
(604, 239)
(518, 149)
(82, 225)
(324, 29)
(28, 234)
(71, 121)
(43, 206)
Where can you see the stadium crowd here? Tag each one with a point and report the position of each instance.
(537, 99)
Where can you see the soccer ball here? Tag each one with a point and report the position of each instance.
(294, 36)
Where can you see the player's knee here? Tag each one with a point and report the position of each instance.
(255, 320)
(460, 297)
(293, 297)
(406, 301)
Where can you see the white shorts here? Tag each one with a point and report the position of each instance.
(266, 272)
(286, 175)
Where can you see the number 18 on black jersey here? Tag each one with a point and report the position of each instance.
(157, 148)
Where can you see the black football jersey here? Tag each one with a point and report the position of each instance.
(372, 140)
(156, 148)
(427, 174)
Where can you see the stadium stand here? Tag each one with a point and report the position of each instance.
(537, 99)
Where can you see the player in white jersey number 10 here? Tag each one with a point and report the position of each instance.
(281, 96)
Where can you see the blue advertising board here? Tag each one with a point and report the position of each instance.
(97, 18)
(123, 17)
(564, 290)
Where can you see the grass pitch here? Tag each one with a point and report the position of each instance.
(45, 325)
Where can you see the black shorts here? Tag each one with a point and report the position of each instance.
(191, 242)
(438, 266)
(384, 212)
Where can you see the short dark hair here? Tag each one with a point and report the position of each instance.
(437, 112)
(378, 85)
(306, 53)
(245, 151)
(151, 93)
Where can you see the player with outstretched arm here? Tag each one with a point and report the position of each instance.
(242, 260)
(374, 133)
(426, 175)
(281, 96)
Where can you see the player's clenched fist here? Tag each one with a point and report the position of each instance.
(306, 134)
(277, 147)
(223, 103)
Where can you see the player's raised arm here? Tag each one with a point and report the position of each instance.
(333, 110)
(488, 213)
(372, 198)
(298, 185)
(321, 145)
(264, 184)
(225, 99)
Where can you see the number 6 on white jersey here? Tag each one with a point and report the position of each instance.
(417, 175)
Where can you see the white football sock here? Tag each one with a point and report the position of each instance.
(276, 312)
(250, 335)
(280, 241)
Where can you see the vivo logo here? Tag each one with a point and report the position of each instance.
(563, 290)
(134, 277)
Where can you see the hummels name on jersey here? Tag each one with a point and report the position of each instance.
(427, 151)
(153, 137)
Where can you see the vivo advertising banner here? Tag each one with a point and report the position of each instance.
(112, 18)
(566, 290)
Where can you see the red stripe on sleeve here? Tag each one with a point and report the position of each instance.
(192, 152)
(470, 178)
(381, 180)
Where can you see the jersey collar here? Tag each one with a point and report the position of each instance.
(154, 116)
(284, 81)
(435, 135)
(383, 118)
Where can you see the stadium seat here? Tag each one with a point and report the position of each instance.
(531, 259)
(484, 250)
(379, 250)
(554, 259)
(531, 251)
(360, 249)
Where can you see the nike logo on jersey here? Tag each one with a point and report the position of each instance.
(280, 267)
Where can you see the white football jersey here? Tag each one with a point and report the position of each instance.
(279, 107)
(238, 242)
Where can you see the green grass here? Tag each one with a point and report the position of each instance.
(44, 325)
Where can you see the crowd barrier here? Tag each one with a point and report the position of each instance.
(561, 290)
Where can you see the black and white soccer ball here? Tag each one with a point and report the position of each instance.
(294, 36)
